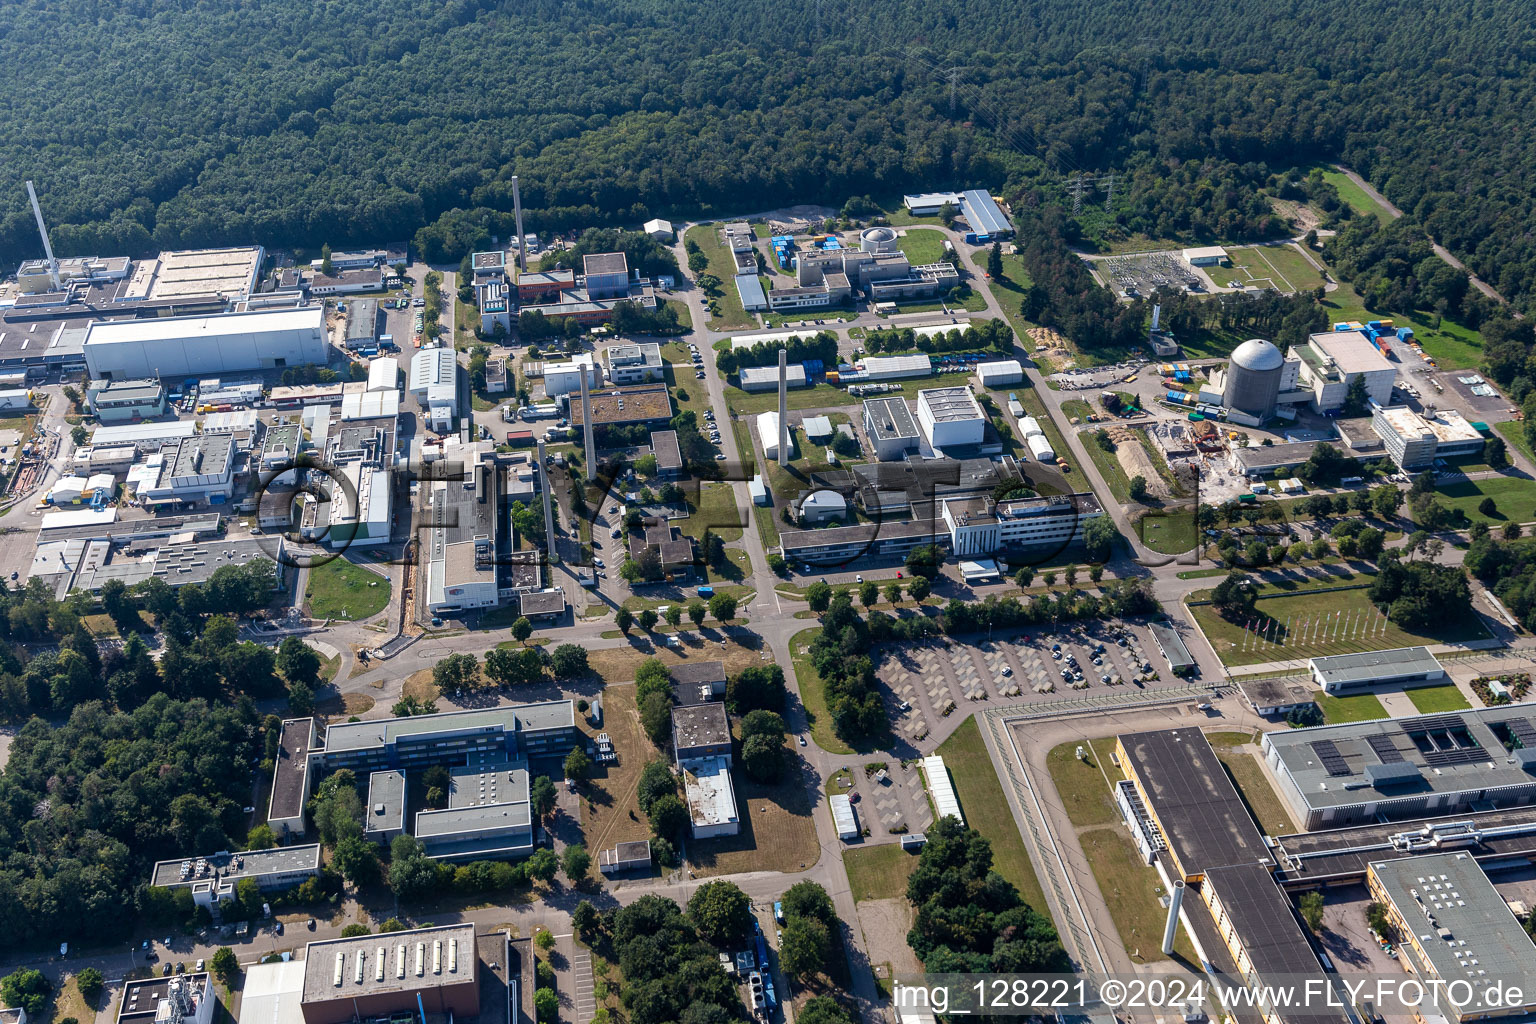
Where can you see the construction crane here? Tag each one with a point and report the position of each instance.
(42, 229)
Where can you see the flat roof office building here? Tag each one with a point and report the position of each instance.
(384, 817)
(488, 814)
(890, 427)
(371, 976)
(507, 733)
(1394, 769)
(1191, 800)
(1354, 673)
(1454, 926)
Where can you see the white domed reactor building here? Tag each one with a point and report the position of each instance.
(878, 239)
(1253, 378)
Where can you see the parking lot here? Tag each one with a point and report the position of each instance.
(890, 806)
(932, 680)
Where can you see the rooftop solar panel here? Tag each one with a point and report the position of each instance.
(1385, 749)
(1523, 732)
(1332, 761)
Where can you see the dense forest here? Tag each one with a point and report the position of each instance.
(87, 807)
(196, 123)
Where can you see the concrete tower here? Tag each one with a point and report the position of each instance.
(586, 424)
(549, 512)
(1175, 901)
(783, 407)
(517, 212)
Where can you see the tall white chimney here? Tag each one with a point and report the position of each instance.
(517, 212)
(586, 423)
(549, 513)
(1157, 312)
(783, 407)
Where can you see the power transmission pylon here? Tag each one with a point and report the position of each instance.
(1108, 182)
(953, 74)
(1077, 189)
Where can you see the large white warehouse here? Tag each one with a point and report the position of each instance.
(950, 416)
(206, 345)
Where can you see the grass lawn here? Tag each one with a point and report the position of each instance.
(1171, 534)
(1235, 646)
(1109, 467)
(1359, 707)
(1132, 890)
(986, 810)
(922, 246)
(1076, 407)
(713, 508)
(777, 832)
(1084, 787)
(1255, 789)
(722, 266)
(878, 872)
(1514, 496)
(1269, 266)
(612, 791)
(1009, 293)
(1513, 432)
(684, 314)
(618, 664)
(1432, 700)
(813, 694)
(340, 590)
(1354, 195)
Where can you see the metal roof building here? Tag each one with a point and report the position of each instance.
(843, 817)
(945, 802)
(766, 378)
(983, 214)
(206, 345)
(1346, 673)
(1172, 646)
(750, 289)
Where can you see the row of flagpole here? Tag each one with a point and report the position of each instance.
(1313, 629)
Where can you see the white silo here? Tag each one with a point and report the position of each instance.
(1253, 378)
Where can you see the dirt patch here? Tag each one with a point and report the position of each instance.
(618, 665)
(794, 219)
(1136, 462)
(1302, 217)
(346, 704)
(420, 687)
(885, 924)
(1053, 346)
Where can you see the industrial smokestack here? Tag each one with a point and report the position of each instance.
(549, 513)
(1172, 927)
(517, 211)
(586, 422)
(783, 408)
(1157, 312)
